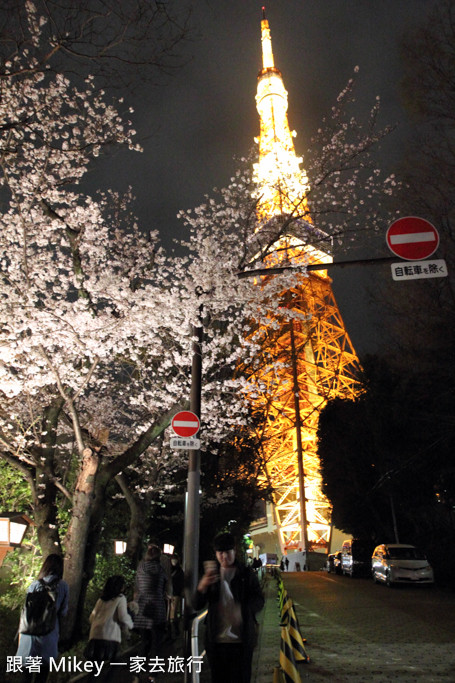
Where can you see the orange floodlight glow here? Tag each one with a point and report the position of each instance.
(307, 358)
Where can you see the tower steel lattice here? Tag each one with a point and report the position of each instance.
(307, 357)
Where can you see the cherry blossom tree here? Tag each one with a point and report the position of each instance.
(120, 43)
(86, 307)
(349, 191)
(96, 320)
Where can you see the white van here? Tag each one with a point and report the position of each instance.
(394, 563)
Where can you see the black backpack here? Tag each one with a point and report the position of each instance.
(39, 614)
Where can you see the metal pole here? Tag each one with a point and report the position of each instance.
(191, 531)
(298, 431)
(392, 509)
(317, 266)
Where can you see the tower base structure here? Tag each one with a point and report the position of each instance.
(306, 359)
(266, 541)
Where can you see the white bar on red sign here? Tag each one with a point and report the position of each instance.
(185, 423)
(413, 237)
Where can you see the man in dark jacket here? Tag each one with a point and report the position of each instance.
(149, 593)
(234, 597)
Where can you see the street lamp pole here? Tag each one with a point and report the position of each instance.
(191, 532)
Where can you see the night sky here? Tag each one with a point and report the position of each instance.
(193, 123)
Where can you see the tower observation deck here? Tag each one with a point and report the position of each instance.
(307, 357)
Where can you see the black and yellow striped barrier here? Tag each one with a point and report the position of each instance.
(287, 658)
(292, 648)
(289, 620)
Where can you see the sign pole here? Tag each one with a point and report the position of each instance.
(191, 531)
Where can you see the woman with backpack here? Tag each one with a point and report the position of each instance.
(107, 618)
(50, 583)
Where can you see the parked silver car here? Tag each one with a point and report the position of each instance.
(395, 563)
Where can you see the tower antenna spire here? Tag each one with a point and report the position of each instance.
(282, 183)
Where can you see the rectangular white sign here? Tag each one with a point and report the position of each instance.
(189, 442)
(416, 270)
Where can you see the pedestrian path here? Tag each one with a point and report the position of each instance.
(266, 655)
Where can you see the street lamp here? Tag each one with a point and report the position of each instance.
(13, 526)
(120, 547)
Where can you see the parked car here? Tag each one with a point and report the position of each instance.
(394, 563)
(333, 563)
(356, 557)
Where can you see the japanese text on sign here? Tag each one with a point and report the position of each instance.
(417, 270)
(190, 443)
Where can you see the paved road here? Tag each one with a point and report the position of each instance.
(359, 631)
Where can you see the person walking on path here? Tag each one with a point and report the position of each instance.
(234, 597)
(45, 646)
(108, 617)
(175, 606)
(150, 594)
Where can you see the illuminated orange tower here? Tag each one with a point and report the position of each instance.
(307, 357)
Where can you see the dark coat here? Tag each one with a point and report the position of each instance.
(247, 591)
(150, 594)
(178, 581)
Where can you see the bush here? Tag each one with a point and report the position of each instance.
(21, 566)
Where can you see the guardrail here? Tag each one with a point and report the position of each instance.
(195, 643)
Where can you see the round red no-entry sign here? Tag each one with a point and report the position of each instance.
(185, 423)
(412, 238)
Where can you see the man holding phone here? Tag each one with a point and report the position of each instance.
(234, 597)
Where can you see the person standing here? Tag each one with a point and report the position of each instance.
(46, 646)
(234, 597)
(175, 607)
(108, 617)
(150, 594)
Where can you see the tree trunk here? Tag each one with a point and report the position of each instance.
(76, 539)
(45, 518)
(44, 491)
(89, 503)
(97, 514)
(138, 518)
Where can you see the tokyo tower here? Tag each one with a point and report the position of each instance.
(307, 357)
